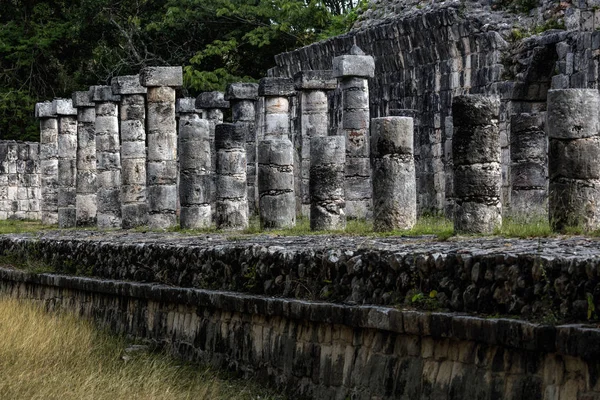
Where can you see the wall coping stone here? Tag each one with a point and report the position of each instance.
(161, 76)
(127, 84)
(103, 93)
(279, 87)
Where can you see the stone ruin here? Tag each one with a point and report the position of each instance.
(442, 109)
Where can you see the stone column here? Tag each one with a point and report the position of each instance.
(108, 157)
(393, 165)
(132, 112)
(48, 161)
(327, 166)
(314, 121)
(161, 173)
(573, 158)
(529, 167)
(353, 71)
(276, 184)
(232, 192)
(476, 160)
(242, 97)
(276, 111)
(211, 106)
(67, 160)
(195, 167)
(85, 202)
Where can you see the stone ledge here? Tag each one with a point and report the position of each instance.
(575, 339)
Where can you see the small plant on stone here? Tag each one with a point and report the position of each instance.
(591, 310)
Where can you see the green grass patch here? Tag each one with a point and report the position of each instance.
(516, 228)
(22, 226)
(58, 356)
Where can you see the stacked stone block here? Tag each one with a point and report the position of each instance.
(108, 157)
(211, 106)
(132, 112)
(529, 167)
(161, 173)
(195, 167)
(67, 161)
(314, 121)
(19, 180)
(353, 71)
(327, 169)
(231, 187)
(476, 160)
(393, 166)
(242, 97)
(276, 183)
(574, 152)
(48, 162)
(85, 202)
(276, 92)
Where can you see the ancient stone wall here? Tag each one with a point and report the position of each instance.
(326, 351)
(20, 181)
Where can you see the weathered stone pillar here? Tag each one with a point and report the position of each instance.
(573, 158)
(528, 169)
(67, 160)
(108, 157)
(353, 71)
(48, 161)
(393, 166)
(277, 117)
(195, 167)
(242, 97)
(132, 112)
(211, 106)
(85, 202)
(231, 186)
(161, 173)
(327, 166)
(314, 121)
(476, 160)
(276, 184)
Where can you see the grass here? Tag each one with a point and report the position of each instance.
(57, 356)
(22, 226)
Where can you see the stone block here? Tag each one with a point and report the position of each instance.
(354, 65)
(277, 87)
(127, 84)
(208, 100)
(185, 105)
(315, 80)
(392, 135)
(102, 94)
(472, 217)
(577, 159)
(161, 76)
(62, 107)
(82, 99)
(573, 113)
(44, 110)
(241, 91)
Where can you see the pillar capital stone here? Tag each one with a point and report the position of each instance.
(241, 91)
(315, 80)
(185, 105)
(161, 76)
(44, 110)
(103, 93)
(82, 99)
(62, 107)
(354, 64)
(127, 84)
(279, 87)
(209, 100)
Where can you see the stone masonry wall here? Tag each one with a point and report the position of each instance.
(326, 351)
(20, 187)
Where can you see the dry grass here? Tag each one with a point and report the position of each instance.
(57, 356)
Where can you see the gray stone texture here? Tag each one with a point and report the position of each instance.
(277, 200)
(393, 166)
(162, 76)
(352, 72)
(85, 201)
(208, 100)
(132, 119)
(161, 172)
(108, 158)
(231, 186)
(276, 92)
(314, 121)
(327, 166)
(574, 151)
(195, 169)
(476, 162)
(48, 162)
(20, 180)
(529, 167)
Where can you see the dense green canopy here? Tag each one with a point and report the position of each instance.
(51, 48)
